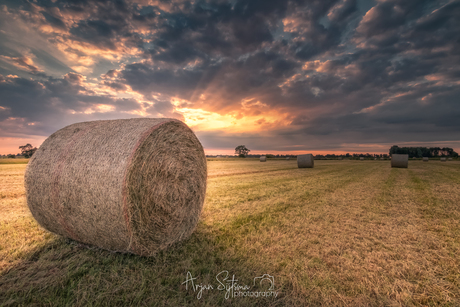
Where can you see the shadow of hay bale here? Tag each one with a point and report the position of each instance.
(65, 272)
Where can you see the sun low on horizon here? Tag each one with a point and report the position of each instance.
(281, 77)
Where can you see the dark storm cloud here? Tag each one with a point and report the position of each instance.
(96, 32)
(51, 100)
(331, 69)
(54, 21)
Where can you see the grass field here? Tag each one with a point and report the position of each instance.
(346, 233)
(14, 161)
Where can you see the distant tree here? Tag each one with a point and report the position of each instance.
(27, 150)
(242, 151)
(11, 156)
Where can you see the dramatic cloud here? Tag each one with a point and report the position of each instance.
(323, 75)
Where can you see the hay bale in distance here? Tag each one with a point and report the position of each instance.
(263, 158)
(399, 160)
(443, 159)
(361, 158)
(449, 159)
(288, 158)
(132, 185)
(305, 161)
(425, 159)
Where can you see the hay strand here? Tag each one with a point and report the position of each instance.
(135, 185)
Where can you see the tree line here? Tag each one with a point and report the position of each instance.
(413, 152)
(419, 152)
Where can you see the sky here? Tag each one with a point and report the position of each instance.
(317, 76)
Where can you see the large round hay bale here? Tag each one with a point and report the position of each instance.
(399, 160)
(305, 161)
(425, 159)
(288, 158)
(134, 185)
(263, 159)
(361, 158)
(449, 159)
(443, 159)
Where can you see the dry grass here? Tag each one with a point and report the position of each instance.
(345, 233)
(12, 196)
(14, 161)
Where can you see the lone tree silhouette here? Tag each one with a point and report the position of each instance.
(27, 150)
(242, 151)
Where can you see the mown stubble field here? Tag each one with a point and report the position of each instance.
(353, 233)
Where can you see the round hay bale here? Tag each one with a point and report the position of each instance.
(449, 159)
(305, 161)
(263, 159)
(443, 159)
(361, 158)
(130, 185)
(399, 160)
(425, 159)
(288, 158)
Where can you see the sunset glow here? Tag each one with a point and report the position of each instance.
(288, 77)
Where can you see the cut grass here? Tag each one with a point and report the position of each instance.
(14, 161)
(345, 233)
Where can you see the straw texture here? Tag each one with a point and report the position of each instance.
(399, 160)
(263, 159)
(134, 185)
(305, 161)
